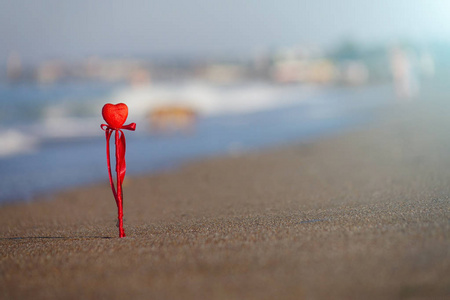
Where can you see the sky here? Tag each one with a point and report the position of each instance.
(43, 29)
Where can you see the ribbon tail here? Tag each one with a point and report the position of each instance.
(108, 160)
(121, 157)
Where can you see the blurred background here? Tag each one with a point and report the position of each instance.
(201, 78)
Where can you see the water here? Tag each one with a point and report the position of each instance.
(51, 137)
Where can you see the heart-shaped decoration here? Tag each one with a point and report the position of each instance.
(115, 115)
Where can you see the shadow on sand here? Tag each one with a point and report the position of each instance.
(56, 237)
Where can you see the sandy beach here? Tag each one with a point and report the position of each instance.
(361, 215)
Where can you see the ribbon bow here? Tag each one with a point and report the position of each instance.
(120, 165)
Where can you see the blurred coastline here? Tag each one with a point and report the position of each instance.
(191, 108)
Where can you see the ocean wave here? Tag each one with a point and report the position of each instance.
(16, 142)
(208, 99)
(63, 118)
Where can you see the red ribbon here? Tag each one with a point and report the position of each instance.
(120, 165)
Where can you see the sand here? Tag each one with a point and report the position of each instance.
(361, 215)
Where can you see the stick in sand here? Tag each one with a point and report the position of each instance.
(115, 116)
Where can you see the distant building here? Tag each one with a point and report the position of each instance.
(13, 67)
(50, 72)
(353, 72)
(304, 71)
(222, 73)
(303, 65)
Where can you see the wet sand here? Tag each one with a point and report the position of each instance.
(361, 215)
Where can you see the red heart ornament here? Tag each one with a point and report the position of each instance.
(115, 115)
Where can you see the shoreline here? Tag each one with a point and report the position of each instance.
(363, 214)
(312, 115)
